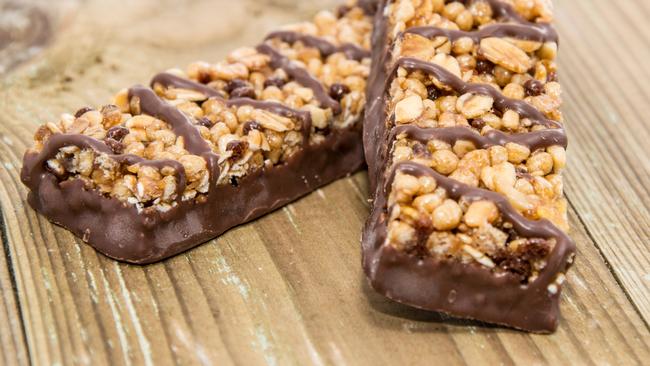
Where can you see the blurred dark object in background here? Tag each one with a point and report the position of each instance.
(24, 30)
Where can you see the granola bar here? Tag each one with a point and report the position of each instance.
(163, 169)
(465, 145)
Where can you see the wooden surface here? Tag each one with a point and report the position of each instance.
(288, 288)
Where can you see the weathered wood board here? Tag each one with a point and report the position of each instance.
(288, 288)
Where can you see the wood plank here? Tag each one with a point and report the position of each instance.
(605, 75)
(288, 288)
(13, 350)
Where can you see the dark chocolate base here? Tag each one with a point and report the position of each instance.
(461, 290)
(118, 231)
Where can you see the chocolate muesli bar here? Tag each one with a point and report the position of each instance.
(165, 168)
(465, 145)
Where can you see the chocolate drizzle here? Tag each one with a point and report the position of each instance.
(279, 61)
(152, 105)
(34, 168)
(428, 283)
(518, 28)
(379, 80)
(533, 140)
(168, 80)
(300, 75)
(456, 191)
(505, 12)
(369, 7)
(325, 47)
(459, 86)
(538, 33)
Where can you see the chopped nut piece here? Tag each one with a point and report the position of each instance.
(408, 109)
(473, 106)
(229, 71)
(273, 121)
(448, 62)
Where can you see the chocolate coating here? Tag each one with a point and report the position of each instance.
(121, 232)
(145, 235)
(449, 286)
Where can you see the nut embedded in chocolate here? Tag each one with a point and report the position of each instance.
(432, 92)
(484, 66)
(419, 149)
(274, 81)
(116, 146)
(533, 87)
(117, 133)
(56, 168)
(238, 148)
(522, 261)
(236, 84)
(205, 122)
(478, 123)
(243, 92)
(82, 111)
(251, 125)
(338, 91)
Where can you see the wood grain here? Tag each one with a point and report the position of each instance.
(288, 288)
(13, 349)
(603, 63)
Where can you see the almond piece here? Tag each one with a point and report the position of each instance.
(505, 54)
(448, 62)
(473, 106)
(273, 121)
(416, 46)
(524, 45)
